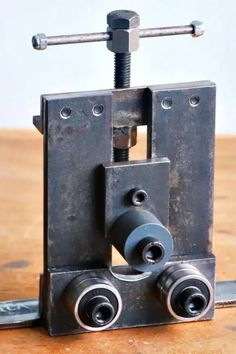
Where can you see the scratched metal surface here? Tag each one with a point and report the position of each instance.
(15, 314)
(185, 134)
(141, 305)
(74, 149)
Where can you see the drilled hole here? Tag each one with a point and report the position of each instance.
(153, 254)
(98, 109)
(196, 305)
(194, 101)
(65, 112)
(167, 103)
(103, 315)
(138, 196)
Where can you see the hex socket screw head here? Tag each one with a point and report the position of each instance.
(198, 28)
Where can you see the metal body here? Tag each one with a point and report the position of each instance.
(13, 313)
(141, 305)
(84, 218)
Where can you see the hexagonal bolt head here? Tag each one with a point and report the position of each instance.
(124, 26)
(124, 137)
(123, 19)
(198, 28)
(39, 41)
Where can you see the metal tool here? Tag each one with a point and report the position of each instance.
(122, 38)
(156, 212)
(26, 313)
(40, 41)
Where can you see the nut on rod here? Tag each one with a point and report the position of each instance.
(41, 41)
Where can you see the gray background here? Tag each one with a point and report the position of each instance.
(25, 73)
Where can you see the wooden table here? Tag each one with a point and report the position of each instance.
(21, 259)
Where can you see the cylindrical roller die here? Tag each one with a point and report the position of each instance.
(142, 240)
(93, 301)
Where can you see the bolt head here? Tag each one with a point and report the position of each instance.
(198, 28)
(123, 19)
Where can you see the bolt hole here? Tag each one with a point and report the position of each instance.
(196, 305)
(194, 101)
(167, 103)
(98, 109)
(65, 113)
(139, 196)
(153, 254)
(103, 315)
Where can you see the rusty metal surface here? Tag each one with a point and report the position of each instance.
(137, 310)
(182, 120)
(128, 107)
(150, 175)
(77, 140)
(25, 313)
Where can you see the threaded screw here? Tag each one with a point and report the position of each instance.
(122, 70)
(122, 80)
(120, 155)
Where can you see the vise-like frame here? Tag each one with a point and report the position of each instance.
(156, 212)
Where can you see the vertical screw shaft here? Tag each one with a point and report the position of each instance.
(122, 70)
(122, 80)
(120, 155)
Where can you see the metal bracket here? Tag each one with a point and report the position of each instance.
(26, 313)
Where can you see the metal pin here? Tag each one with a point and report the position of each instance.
(41, 41)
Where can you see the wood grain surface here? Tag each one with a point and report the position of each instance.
(21, 207)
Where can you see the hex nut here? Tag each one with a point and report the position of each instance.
(124, 137)
(124, 27)
(123, 19)
(198, 28)
(39, 41)
(123, 40)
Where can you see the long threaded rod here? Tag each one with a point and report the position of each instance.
(122, 70)
(122, 80)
